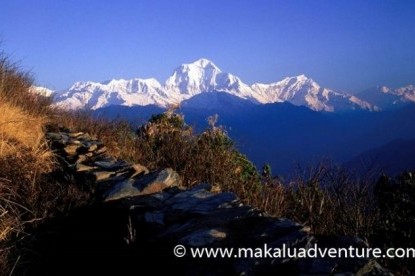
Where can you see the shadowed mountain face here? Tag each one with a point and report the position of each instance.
(134, 114)
(288, 136)
(392, 158)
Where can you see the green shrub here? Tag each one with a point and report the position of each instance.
(166, 141)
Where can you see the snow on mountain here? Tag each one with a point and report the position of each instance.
(387, 98)
(40, 90)
(94, 95)
(204, 76)
(194, 77)
(407, 93)
(303, 91)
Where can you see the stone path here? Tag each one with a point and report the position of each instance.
(152, 214)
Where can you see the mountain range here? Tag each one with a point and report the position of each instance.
(203, 76)
(388, 98)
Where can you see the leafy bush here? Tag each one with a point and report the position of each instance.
(166, 141)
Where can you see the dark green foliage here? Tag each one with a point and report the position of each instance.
(396, 225)
(266, 171)
(168, 119)
(396, 200)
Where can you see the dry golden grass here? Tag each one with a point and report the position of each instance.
(18, 128)
(29, 189)
(21, 139)
(24, 157)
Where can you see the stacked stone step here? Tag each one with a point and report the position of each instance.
(112, 178)
(164, 215)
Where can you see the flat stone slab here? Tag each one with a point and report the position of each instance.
(111, 164)
(199, 201)
(143, 185)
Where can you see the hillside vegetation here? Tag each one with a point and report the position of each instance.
(31, 186)
(329, 200)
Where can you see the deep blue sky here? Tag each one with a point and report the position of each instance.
(342, 44)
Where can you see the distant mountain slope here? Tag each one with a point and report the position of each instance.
(137, 115)
(288, 136)
(219, 101)
(387, 98)
(203, 76)
(392, 158)
(280, 134)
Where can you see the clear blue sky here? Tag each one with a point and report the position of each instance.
(342, 44)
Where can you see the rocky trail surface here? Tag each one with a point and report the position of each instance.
(140, 216)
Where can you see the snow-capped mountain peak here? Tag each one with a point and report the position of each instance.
(300, 78)
(204, 76)
(194, 77)
(203, 63)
